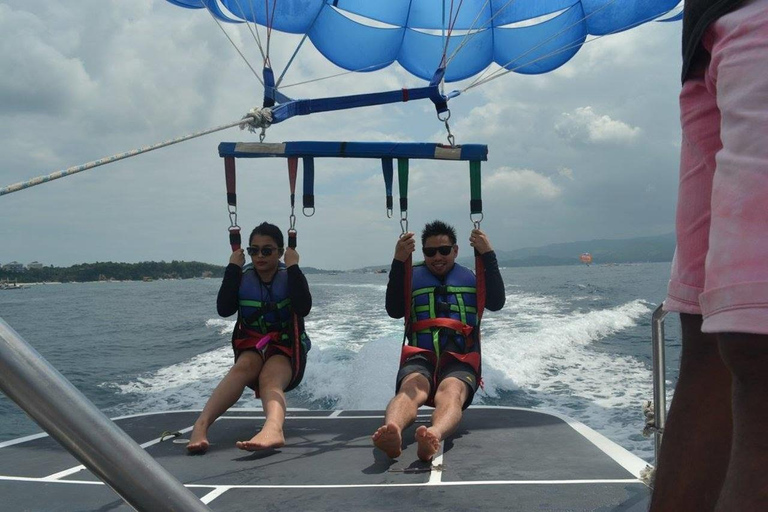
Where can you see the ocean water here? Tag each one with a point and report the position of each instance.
(574, 340)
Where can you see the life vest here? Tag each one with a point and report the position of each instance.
(265, 309)
(265, 316)
(443, 313)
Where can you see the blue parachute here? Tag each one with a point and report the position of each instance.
(438, 40)
(525, 36)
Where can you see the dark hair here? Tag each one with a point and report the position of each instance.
(270, 230)
(437, 228)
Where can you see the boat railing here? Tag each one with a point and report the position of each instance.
(659, 415)
(92, 438)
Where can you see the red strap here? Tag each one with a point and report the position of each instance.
(410, 351)
(407, 287)
(229, 174)
(293, 163)
(296, 359)
(450, 323)
(480, 279)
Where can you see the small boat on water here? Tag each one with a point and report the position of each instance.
(510, 459)
(7, 285)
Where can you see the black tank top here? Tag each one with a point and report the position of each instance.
(697, 16)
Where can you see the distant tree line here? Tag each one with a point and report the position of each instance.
(117, 271)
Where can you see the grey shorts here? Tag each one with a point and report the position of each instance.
(452, 368)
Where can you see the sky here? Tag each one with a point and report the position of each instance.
(588, 151)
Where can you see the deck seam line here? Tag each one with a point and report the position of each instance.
(352, 486)
(436, 474)
(215, 493)
(65, 473)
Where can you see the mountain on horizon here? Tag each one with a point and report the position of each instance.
(645, 249)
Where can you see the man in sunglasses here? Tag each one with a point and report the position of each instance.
(440, 364)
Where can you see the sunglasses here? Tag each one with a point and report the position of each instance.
(430, 252)
(265, 251)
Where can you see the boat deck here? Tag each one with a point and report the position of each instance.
(499, 459)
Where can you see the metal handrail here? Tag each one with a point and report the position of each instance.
(100, 445)
(659, 378)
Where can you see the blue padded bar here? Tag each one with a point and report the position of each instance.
(306, 107)
(415, 150)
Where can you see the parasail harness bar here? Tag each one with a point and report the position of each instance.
(387, 152)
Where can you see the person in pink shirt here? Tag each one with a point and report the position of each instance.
(714, 454)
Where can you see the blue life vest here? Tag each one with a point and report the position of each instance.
(455, 298)
(265, 308)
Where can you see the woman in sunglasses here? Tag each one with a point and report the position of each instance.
(440, 365)
(270, 345)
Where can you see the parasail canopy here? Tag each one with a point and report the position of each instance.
(525, 36)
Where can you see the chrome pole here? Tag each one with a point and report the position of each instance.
(659, 379)
(100, 445)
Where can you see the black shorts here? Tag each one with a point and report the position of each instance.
(452, 368)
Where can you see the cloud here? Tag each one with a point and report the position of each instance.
(584, 126)
(37, 76)
(521, 182)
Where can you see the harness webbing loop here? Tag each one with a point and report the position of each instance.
(476, 201)
(402, 182)
(234, 230)
(309, 186)
(388, 170)
(293, 164)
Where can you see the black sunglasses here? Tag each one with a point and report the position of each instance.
(430, 252)
(265, 251)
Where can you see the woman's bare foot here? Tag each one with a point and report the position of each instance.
(428, 443)
(198, 441)
(389, 440)
(269, 437)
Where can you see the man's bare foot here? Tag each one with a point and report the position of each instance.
(268, 437)
(389, 440)
(198, 441)
(428, 443)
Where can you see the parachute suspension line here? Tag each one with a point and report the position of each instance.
(402, 183)
(290, 61)
(503, 71)
(255, 35)
(308, 199)
(387, 170)
(236, 48)
(451, 23)
(472, 31)
(114, 158)
(336, 75)
(296, 51)
(293, 164)
(270, 23)
(234, 230)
